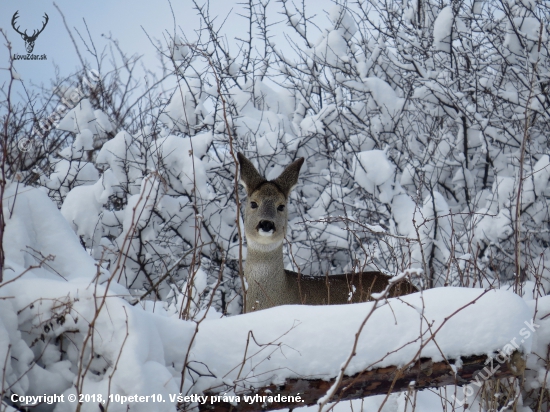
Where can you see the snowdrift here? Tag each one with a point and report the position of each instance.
(314, 341)
(63, 332)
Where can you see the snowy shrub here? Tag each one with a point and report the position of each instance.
(425, 131)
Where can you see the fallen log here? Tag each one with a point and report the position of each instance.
(420, 375)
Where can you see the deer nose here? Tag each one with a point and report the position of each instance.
(266, 226)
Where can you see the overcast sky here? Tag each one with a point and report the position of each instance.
(124, 20)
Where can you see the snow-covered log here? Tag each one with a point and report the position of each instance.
(438, 337)
(422, 374)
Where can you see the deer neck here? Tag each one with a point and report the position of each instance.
(264, 263)
(270, 256)
(264, 271)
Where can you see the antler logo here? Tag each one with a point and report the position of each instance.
(29, 40)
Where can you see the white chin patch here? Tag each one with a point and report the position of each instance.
(262, 233)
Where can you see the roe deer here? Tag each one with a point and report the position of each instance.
(269, 284)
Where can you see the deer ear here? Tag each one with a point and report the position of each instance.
(250, 177)
(288, 179)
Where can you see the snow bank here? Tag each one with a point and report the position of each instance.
(36, 229)
(54, 338)
(313, 342)
(133, 351)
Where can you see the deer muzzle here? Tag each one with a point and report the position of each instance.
(266, 227)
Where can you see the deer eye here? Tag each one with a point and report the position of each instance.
(281, 208)
(253, 205)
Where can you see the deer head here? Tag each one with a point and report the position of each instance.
(266, 207)
(29, 40)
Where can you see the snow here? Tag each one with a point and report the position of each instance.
(384, 95)
(443, 27)
(340, 17)
(15, 75)
(403, 209)
(530, 28)
(372, 168)
(332, 49)
(183, 156)
(82, 207)
(413, 162)
(122, 154)
(141, 350)
(83, 117)
(541, 172)
(429, 401)
(179, 49)
(36, 230)
(59, 298)
(144, 347)
(69, 173)
(290, 342)
(535, 364)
